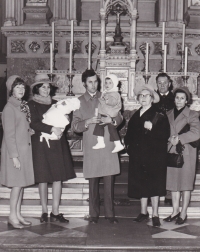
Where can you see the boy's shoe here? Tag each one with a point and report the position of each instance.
(118, 148)
(99, 146)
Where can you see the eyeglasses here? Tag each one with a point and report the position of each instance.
(144, 96)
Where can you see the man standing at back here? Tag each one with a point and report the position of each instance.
(165, 104)
(101, 162)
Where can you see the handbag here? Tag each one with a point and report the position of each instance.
(175, 160)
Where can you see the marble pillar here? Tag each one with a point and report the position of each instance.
(103, 44)
(133, 29)
(194, 15)
(162, 11)
(10, 13)
(19, 5)
(73, 6)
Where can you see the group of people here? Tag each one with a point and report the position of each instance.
(26, 160)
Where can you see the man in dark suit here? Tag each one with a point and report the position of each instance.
(165, 104)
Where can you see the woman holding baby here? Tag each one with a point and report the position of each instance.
(53, 163)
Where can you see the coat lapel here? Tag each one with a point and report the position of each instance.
(181, 120)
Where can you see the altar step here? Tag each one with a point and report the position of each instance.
(75, 194)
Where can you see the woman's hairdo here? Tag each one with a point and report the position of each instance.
(17, 81)
(36, 88)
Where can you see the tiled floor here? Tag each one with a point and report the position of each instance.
(80, 234)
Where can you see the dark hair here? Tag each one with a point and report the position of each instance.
(88, 73)
(168, 78)
(17, 81)
(182, 91)
(35, 89)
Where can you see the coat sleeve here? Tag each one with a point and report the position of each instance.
(78, 123)
(36, 123)
(193, 133)
(128, 136)
(9, 124)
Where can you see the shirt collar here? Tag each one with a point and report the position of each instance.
(89, 96)
(165, 93)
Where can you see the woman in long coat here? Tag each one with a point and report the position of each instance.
(182, 179)
(16, 153)
(51, 164)
(146, 140)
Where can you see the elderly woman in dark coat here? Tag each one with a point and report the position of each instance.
(51, 164)
(146, 140)
(16, 153)
(181, 180)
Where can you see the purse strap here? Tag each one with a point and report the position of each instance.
(169, 149)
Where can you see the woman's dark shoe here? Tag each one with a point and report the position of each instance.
(14, 224)
(112, 220)
(156, 221)
(180, 221)
(58, 217)
(141, 217)
(170, 218)
(44, 217)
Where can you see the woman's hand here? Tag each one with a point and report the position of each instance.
(148, 125)
(174, 140)
(16, 163)
(57, 131)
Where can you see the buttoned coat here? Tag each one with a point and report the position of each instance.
(147, 155)
(16, 143)
(181, 179)
(101, 162)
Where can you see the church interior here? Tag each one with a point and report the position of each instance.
(133, 39)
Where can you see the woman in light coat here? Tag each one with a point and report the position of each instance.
(16, 151)
(182, 179)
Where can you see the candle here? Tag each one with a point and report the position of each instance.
(89, 44)
(53, 35)
(51, 58)
(96, 112)
(147, 58)
(186, 60)
(163, 35)
(72, 33)
(183, 38)
(70, 58)
(165, 59)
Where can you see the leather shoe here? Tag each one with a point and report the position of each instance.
(156, 221)
(112, 220)
(170, 218)
(180, 221)
(25, 222)
(14, 224)
(168, 201)
(93, 220)
(141, 217)
(44, 217)
(58, 217)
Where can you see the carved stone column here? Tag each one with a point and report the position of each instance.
(10, 13)
(175, 13)
(56, 10)
(73, 7)
(133, 29)
(19, 12)
(194, 13)
(163, 11)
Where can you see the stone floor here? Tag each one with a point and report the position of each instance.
(80, 235)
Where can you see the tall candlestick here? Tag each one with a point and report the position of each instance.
(163, 35)
(53, 35)
(165, 59)
(147, 58)
(72, 33)
(186, 60)
(183, 38)
(89, 44)
(51, 58)
(70, 58)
